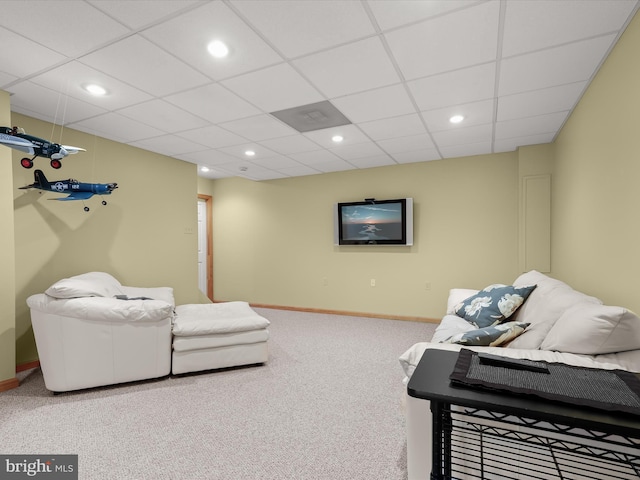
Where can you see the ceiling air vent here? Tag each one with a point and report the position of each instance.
(314, 116)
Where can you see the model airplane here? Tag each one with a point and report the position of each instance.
(38, 147)
(75, 189)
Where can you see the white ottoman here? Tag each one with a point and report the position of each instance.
(218, 335)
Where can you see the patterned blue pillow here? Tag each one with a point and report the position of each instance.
(489, 336)
(493, 304)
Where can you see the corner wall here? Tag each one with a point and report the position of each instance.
(596, 193)
(7, 272)
(144, 236)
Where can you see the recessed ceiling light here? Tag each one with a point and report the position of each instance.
(250, 153)
(337, 138)
(204, 169)
(218, 49)
(94, 89)
(456, 119)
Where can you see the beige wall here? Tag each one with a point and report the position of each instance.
(596, 190)
(144, 236)
(7, 271)
(273, 240)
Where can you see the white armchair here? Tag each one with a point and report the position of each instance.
(87, 337)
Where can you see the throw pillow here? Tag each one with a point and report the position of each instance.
(593, 330)
(543, 308)
(92, 284)
(493, 304)
(493, 336)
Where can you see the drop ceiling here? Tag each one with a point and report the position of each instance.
(397, 70)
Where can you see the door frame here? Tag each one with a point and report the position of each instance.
(209, 218)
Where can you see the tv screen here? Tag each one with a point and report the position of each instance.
(374, 222)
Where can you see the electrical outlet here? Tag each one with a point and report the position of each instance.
(427, 286)
(325, 282)
(373, 282)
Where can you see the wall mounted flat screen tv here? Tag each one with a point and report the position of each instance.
(374, 222)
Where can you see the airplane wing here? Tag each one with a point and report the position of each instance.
(76, 196)
(18, 143)
(71, 150)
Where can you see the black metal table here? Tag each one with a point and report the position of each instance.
(480, 434)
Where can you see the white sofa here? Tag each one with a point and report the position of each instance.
(91, 331)
(564, 326)
(86, 337)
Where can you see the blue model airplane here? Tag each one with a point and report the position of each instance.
(75, 189)
(38, 147)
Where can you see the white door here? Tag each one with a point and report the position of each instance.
(202, 246)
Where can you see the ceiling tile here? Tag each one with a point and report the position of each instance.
(375, 104)
(350, 133)
(401, 126)
(359, 150)
(481, 148)
(335, 166)
(38, 16)
(188, 35)
(260, 127)
(531, 125)
(417, 156)
(476, 113)
(316, 157)
(394, 13)
(292, 144)
(253, 172)
(396, 70)
(372, 161)
(71, 77)
(154, 70)
(475, 41)
(296, 28)
(168, 145)
(536, 24)
(50, 105)
(238, 151)
(276, 162)
(214, 103)
(163, 116)
(209, 157)
(349, 69)
(142, 12)
(567, 64)
(116, 127)
(462, 136)
(454, 88)
(539, 102)
(40, 57)
(407, 144)
(6, 79)
(274, 88)
(212, 136)
(299, 171)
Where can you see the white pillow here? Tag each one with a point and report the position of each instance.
(594, 329)
(92, 284)
(449, 326)
(545, 305)
(456, 296)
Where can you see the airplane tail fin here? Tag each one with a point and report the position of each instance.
(40, 179)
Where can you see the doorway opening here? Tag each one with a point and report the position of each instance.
(205, 245)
